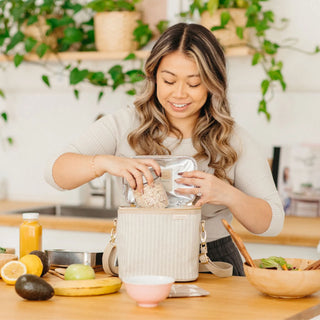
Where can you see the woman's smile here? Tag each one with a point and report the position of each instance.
(180, 90)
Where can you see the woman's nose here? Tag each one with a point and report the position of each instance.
(180, 90)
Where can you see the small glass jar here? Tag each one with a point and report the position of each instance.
(153, 196)
(30, 233)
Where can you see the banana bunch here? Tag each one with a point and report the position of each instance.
(91, 287)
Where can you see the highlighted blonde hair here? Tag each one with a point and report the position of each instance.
(212, 132)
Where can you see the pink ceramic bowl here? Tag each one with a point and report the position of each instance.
(148, 291)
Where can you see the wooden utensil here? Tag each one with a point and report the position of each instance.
(313, 266)
(239, 243)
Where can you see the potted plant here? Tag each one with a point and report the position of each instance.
(114, 24)
(257, 22)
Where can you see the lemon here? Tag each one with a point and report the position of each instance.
(12, 270)
(33, 263)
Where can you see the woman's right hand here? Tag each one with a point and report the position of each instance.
(128, 168)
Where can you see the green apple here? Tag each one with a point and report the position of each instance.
(79, 272)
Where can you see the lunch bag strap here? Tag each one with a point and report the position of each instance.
(109, 257)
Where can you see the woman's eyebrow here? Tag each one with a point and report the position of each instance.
(189, 76)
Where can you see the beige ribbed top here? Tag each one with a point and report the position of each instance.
(251, 173)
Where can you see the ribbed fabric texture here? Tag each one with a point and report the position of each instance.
(159, 243)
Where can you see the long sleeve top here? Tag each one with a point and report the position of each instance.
(250, 173)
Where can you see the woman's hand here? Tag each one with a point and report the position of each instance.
(130, 169)
(207, 187)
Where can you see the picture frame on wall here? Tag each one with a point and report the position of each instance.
(296, 172)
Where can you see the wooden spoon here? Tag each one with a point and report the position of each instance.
(313, 266)
(239, 243)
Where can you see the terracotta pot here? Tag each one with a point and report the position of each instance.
(114, 30)
(227, 37)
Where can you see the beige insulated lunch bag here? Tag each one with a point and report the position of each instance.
(166, 241)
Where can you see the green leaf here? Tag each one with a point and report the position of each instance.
(265, 86)
(76, 93)
(61, 22)
(270, 47)
(97, 78)
(162, 26)
(142, 34)
(224, 18)
(77, 75)
(42, 49)
(102, 5)
(135, 75)
(101, 93)
(18, 58)
(45, 79)
(213, 6)
(29, 44)
(239, 32)
(31, 20)
(130, 56)
(217, 28)
(117, 76)
(2, 94)
(263, 108)
(252, 9)
(72, 35)
(18, 37)
(317, 49)
(256, 58)
(125, 5)
(269, 15)
(4, 116)
(131, 92)
(4, 34)
(283, 85)
(10, 140)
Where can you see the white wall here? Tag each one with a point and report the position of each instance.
(43, 119)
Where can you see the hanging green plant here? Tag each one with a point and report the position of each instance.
(264, 50)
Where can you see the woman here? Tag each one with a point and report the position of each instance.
(183, 110)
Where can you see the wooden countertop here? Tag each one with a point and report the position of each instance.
(230, 298)
(297, 231)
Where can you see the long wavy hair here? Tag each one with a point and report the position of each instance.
(212, 132)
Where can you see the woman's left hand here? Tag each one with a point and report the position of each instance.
(207, 187)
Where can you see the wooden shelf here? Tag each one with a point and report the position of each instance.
(78, 55)
(100, 56)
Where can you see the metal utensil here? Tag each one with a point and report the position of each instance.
(239, 243)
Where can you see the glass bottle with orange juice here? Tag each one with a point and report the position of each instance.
(30, 233)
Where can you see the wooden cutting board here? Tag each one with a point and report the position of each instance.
(92, 287)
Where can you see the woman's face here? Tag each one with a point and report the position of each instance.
(180, 90)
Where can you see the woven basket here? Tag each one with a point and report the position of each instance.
(227, 37)
(38, 31)
(114, 30)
